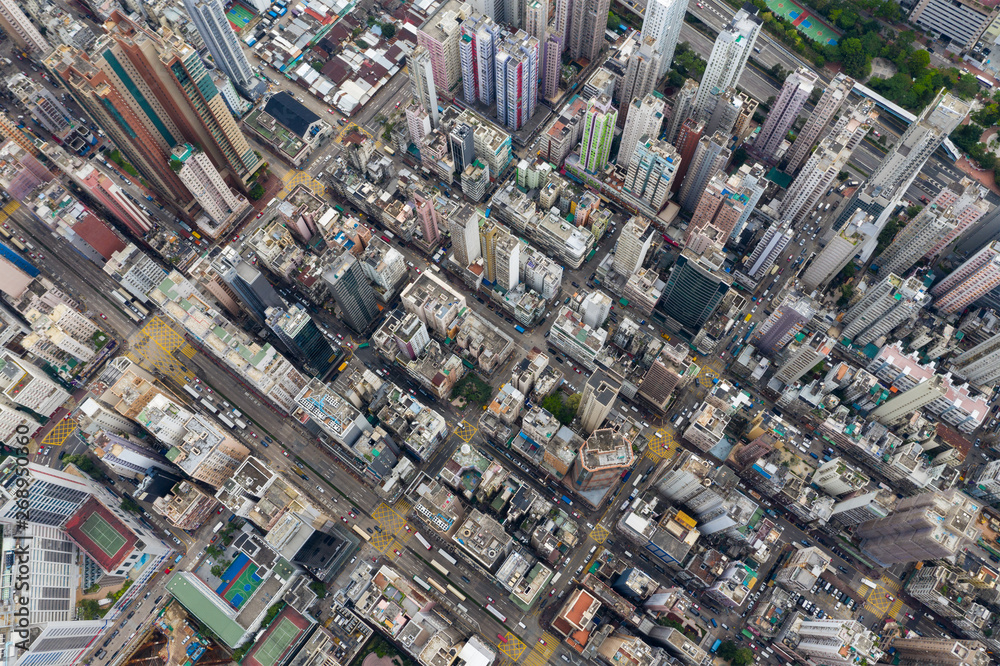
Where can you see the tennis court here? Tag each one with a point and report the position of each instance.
(805, 21)
(277, 643)
(238, 16)
(239, 581)
(103, 534)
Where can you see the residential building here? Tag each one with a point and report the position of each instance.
(652, 172)
(839, 251)
(605, 456)
(803, 357)
(682, 109)
(945, 651)
(729, 56)
(727, 109)
(767, 251)
(421, 69)
(887, 304)
(721, 205)
(784, 112)
(667, 373)
(186, 506)
(975, 277)
(835, 477)
(598, 398)
(981, 364)
(783, 324)
(662, 22)
(21, 30)
(353, 292)
(536, 19)
(826, 108)
(440, 35)
(44, 106)
(801, 571)
(899, 168)
(385, 266)
(695, 287)
(643, 290)
(552, 50)
(60, 643)
(598, 133)
(838, 642)
(477, 47)
(963, 199)
(249, 284)
(640, 80)
(209, 18)
(906, 403)
(222, 206)
(633, 244)
(829, 159)
(581, 342)
(645, 118)
(517, 79)
(133, 111)
(135, 271)
(25, 384)
(711, 156)
(587, 24)
(928, 526)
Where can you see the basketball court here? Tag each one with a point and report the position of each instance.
(103, 535)
(805, 21)
(239, 581)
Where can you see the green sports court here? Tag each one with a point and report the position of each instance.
(239, 16)
(805, 21)
(104, 536)
(239, 581)
(280, 638)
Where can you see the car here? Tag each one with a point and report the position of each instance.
(577, 370)
(542, 641)
(103, 316)
(284, 453)
(166, 571)
(397, 552)
(260, 214)
(890, 597)
(343, 519)
(268, 439)
(406, 526)
(253, 434)
(503, 639)
(489, 599)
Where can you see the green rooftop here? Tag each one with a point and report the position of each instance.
(198, 604)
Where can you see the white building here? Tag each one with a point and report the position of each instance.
(651, 172)
(209, 17)
(19, 28)
(829, 159)
(837, 642)
(710, 157)
(25, 384)
(135, 271)
(645, 117)
(977, 276)
(641, 76)
(663, 22)
(837, 253)
(729, 57)
(885, 305)
(981, 364)
(633, 244)
(578, 340)
(517, 67)
(200, 176)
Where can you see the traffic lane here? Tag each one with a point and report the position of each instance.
(62, 260)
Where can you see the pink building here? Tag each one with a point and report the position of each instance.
(114, 200)
(979, 275)
(429, 217)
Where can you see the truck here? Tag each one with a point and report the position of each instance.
(519, 329)
(567, 500)
(715, 645)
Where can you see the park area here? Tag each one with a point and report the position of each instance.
(806, 22)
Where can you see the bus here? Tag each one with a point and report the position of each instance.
(391, 236)
(361, 533)
(388, 150)
(209, 406)
(497, 614)
(191, 392)
(18, 244)
(4, 233)
(747, 635)
(869, 583)
(461, 597)
(446, 556)
(342, 366)
(436, 585)
(519, 328)
(142, 311)
(985, 82)
(715, 645)
(421, 582)
(127, 296)
(437, 565)
(423, 541)
(364, 345)
(774, 269)
(118, 297)
(225, 419)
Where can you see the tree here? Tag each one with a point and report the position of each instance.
(388, 30)
(613, 21)
(842, 176)
(129, 504)
(90, 609)
(573, 402)
(739, 157)
(256, 192)
(213, 552)
(86, 465)
(857, 63)
(217, 571)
